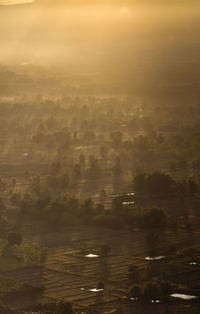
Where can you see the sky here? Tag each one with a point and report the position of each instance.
(126, 34)
(13, 2)
(118, 2)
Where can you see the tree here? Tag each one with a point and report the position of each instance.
(152, 241)
(99, 209)
(104, 151)
(82, 160)
(151, 291)
(105, 249)
(160, 183)
(94, 171)
(133, 274)
(116, 138)
(60, 307)
(89, 136)
(16, 199)
(3, 226)
(87, 210)
(152, 218)
(8, 251)
(139, 183)
(192, 187)
(157, 183)
(102, 195)
(35, 184)
(100, 285)
(166, 289)
(117, 169)
(60, 181)
(3, 185)
(77, 172)
(135, 291)
(64, 307)
(55, 167)
(14, 238)
(35, 255)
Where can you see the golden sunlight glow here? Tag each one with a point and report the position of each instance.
(81, 33)
(124, 10)
(13, 2)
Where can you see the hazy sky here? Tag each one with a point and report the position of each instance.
(11, 2)
(118, 2)
(125, 34)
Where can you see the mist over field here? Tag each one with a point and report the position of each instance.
(99, 34)
(146, 42)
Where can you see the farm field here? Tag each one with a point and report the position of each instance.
(69, 274)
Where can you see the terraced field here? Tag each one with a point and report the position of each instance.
(70, 274)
